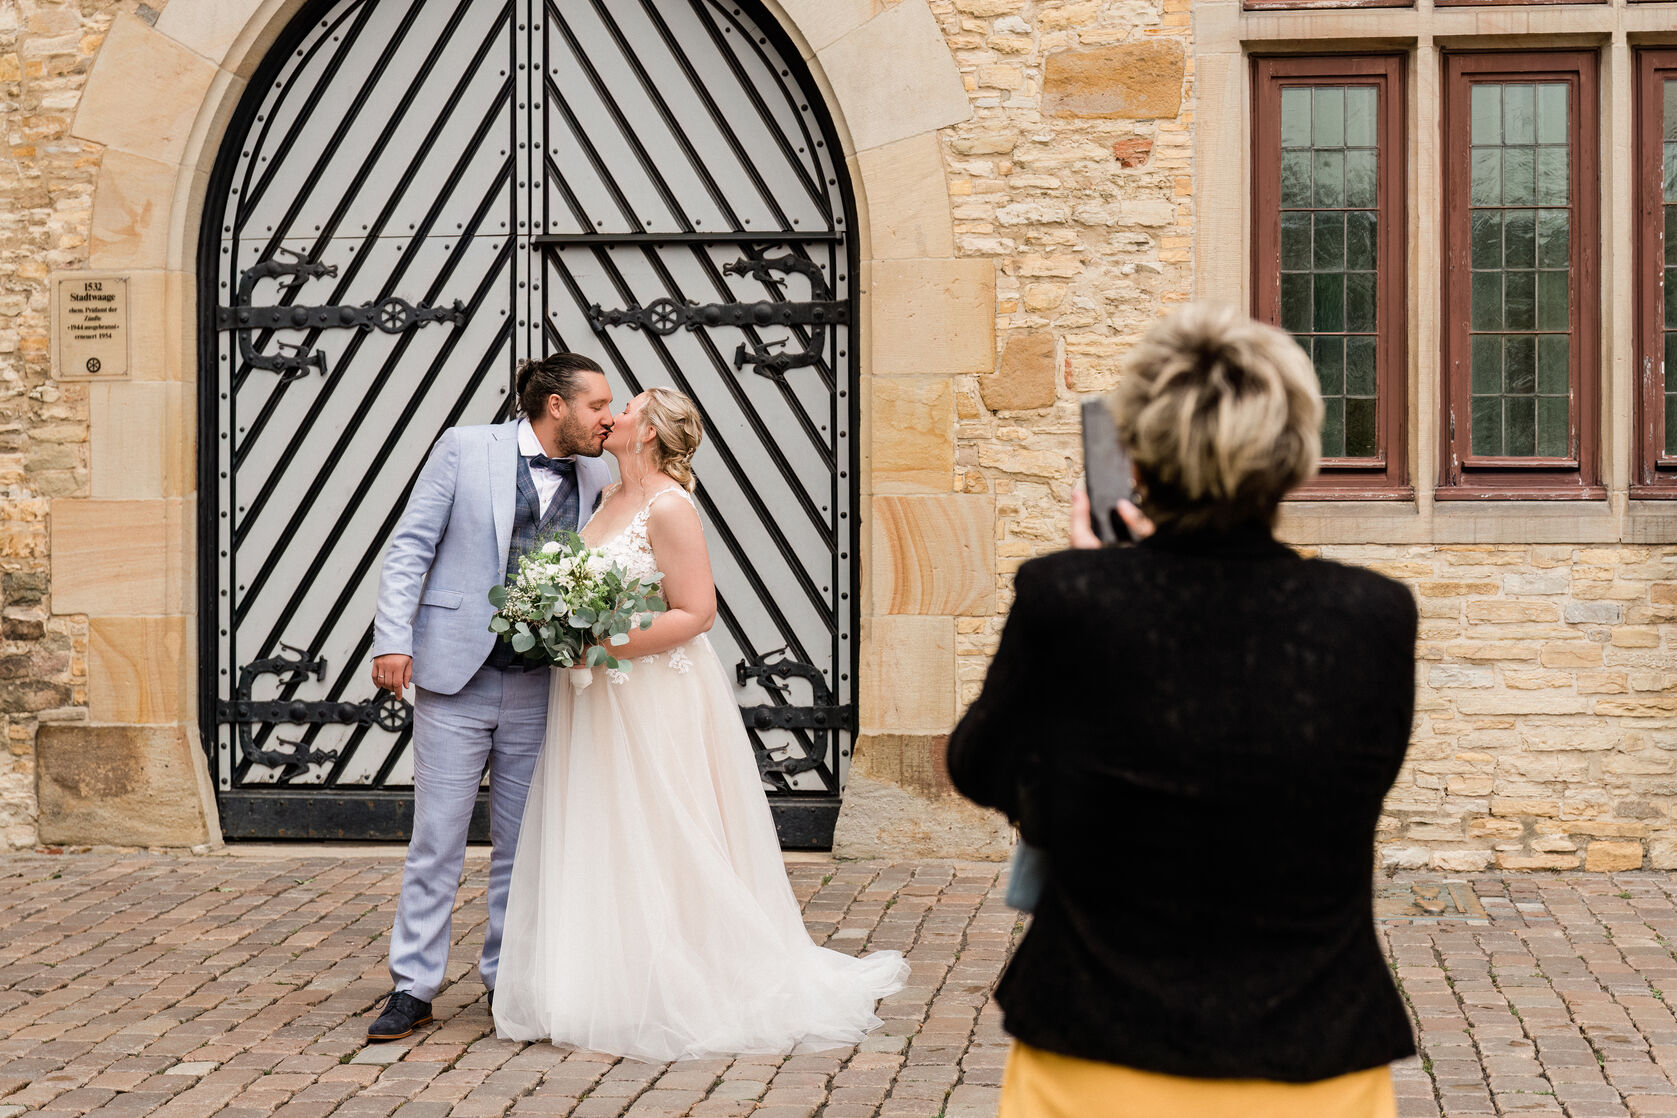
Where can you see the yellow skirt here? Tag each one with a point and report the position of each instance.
(1040, 1084)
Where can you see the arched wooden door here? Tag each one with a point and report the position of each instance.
(413, 196)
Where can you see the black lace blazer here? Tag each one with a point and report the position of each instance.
(1199, 733)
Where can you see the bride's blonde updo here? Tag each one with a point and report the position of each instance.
(672, 420)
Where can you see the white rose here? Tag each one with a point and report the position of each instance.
(552, 547)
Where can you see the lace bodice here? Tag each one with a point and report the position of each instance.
(629, 548)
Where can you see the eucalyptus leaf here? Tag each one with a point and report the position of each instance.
(497, 596)
(523, 642)
(618, 639)
(499, 624)
(597, 656)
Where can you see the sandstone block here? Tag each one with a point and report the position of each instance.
(1462, 861)
(1512, 861)
(140, 438)
(1025, 379)
(1556, 581)
(1461, 677)
(912, 446)
(1448, 588)
(934, 555)
(1636, 636)
(1609, 857)
(1134, 80)
(1572, 654)
(1519, 702)
(895, 77)
(123, 785)
(136, 671)
(908, 675)
(207, 27)
(916, 762)
(121, 558)
(1646, 706)
(879, 819)
(908, 200)
(934, 317)
(1505, 611)
(144, 94)
(1662, 852)
(131, 212)
(1491, 651)
(1599, 613)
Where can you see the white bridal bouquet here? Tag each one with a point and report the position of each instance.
(570, 606)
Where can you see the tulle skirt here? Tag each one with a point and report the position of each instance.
(649, 913)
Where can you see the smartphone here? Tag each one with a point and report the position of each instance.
(1106, 472)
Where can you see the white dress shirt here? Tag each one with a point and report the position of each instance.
(547, 482)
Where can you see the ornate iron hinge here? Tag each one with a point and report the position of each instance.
(384, 710)
(666, 316)
(823, 714)
(390, 315)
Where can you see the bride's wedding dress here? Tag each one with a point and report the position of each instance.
(649, 913)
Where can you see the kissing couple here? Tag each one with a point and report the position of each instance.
(638, 904)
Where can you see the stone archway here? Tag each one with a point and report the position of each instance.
(158, 101)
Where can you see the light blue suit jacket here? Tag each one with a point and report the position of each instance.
(451, 546)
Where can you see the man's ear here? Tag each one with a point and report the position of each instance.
(556, 407)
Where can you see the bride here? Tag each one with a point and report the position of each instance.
(649, 913)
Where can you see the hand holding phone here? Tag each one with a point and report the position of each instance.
(1107, 473)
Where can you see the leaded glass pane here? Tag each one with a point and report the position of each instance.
(1519, 426)
(1487, 177)
(1552, 186)
(1487, 364)
(1520, 228)
(1361, 105)
(1359, 365)
(1519, 238)
(1330, 241)
(1330, 178)
(1330, 365)
(1487, 300)
(1487, 114)
(1295, 117)
(1295, 242)
(1330, 302)
(1487, 425)
(1552, 436)
(1487, 239)
(1330, 193)
(1295, 178)
(1333, 426)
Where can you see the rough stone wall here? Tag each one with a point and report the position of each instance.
(46, 191)
(1074, 176)
(1546, 719)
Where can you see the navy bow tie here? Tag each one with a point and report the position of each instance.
(564, 467)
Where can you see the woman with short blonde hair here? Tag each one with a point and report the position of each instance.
(1222, 416)
(1198, 733)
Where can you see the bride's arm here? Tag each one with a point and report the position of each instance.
(678, 545)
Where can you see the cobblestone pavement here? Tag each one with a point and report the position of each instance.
(241, 985)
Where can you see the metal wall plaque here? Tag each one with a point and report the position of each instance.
(90, 326)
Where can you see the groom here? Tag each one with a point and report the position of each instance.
(485, 495)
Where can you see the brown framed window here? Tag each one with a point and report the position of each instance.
(1328, 252)
(1521, 311)
(1656, 274)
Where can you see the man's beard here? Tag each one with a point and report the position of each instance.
(574, 438)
